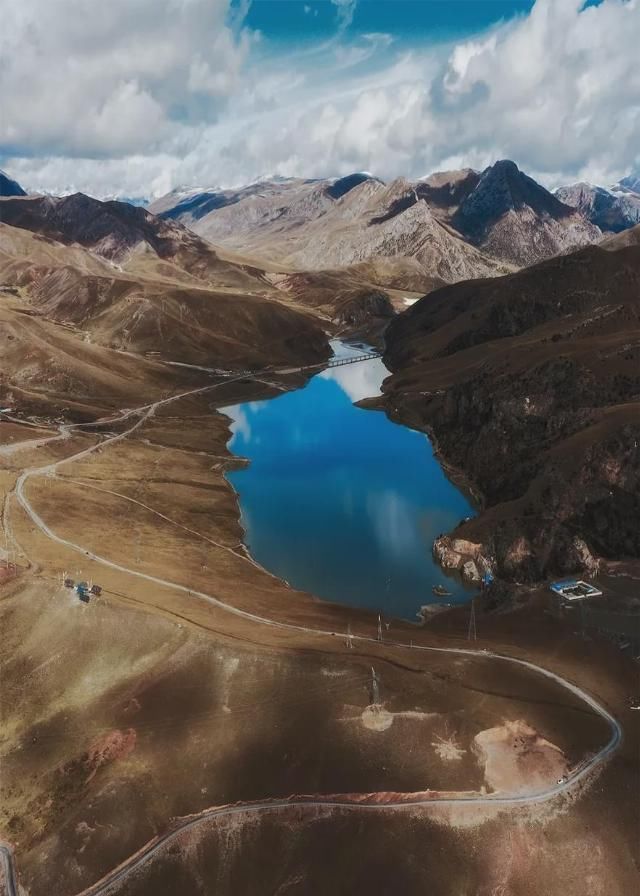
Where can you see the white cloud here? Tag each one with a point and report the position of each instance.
(202, 103)
(113, 78)
(346, 12)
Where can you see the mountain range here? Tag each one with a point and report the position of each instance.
(448, 227)
(522, 358)
(411, 236)
(612, 210)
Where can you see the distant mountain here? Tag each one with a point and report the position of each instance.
(109, 228)
(9, 187)
(131, 236)
(632, 182)
(311, 225)
(450, 226)
(612, 210)
(510, 216)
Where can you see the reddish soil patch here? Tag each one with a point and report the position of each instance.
(7, 571)
(111, 746)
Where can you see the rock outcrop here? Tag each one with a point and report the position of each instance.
(462, 555)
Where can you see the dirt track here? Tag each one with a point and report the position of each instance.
(347, 802)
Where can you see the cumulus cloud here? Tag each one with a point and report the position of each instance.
(144, 108)
(111, 78)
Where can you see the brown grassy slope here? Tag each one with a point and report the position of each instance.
(188, 322)
(140, 246)
(531, 384)
(49, 370)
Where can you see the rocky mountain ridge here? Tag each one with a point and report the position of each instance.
(450, 226)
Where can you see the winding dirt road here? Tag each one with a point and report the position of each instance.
(342, 802)
(9, 870)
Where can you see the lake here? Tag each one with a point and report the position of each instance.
(340, 501)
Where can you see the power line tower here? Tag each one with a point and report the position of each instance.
(375, 688)
(471, 633)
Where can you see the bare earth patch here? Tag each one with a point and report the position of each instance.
(517, 759)
(377, 718)
(111, 746)
(447, 749)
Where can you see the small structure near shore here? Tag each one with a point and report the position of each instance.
(573, 589)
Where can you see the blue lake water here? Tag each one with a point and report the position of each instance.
(340, 501)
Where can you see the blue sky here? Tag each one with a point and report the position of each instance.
(413, 21)
(138, 97)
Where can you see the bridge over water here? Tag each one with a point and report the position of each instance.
(355, 359)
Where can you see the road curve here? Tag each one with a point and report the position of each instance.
(10, 879)
(330, 802)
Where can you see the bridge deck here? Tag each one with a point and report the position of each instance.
(367, 356)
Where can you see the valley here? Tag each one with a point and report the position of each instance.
(101, 736)
(200, 714)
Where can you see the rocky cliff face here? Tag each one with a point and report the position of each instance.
(531, 384)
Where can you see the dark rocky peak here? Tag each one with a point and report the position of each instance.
(200, 204)
(447, 189)
(110, 228)
(9, 187)
(344, 185)
(503, 188)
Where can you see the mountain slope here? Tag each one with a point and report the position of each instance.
(452, 225)
(9, 187)
(126, 234)
(531, 384)
(510, 216)
(136, 242)
(189, 322)
(314, 225)
(611, 210)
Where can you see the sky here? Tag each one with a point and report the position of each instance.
(135, 98)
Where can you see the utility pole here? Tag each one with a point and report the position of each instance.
(471, 634)
(379, 628)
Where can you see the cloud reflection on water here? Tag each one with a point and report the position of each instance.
(338, 500)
